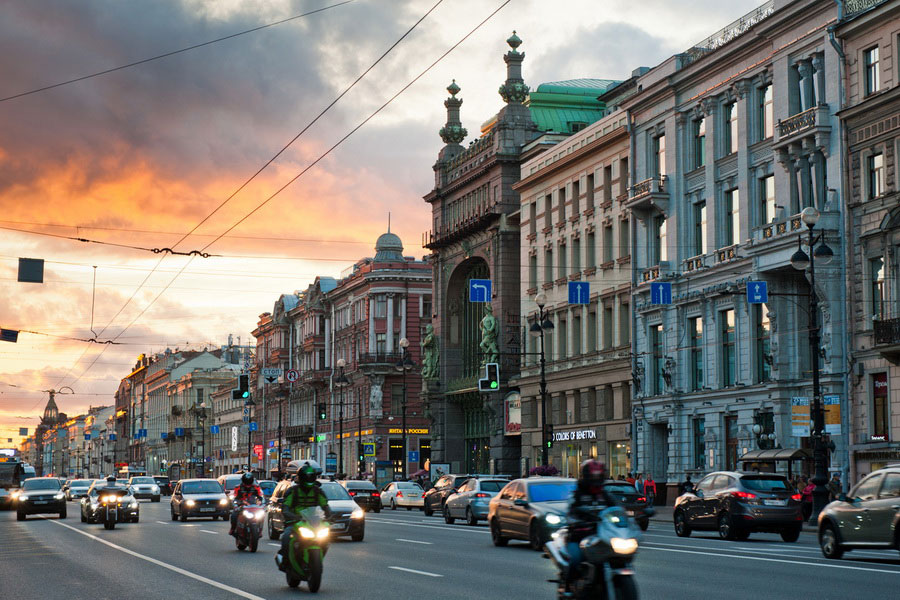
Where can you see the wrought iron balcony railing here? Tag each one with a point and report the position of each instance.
(887, 332)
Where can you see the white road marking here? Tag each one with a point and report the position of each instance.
(276, 545)
(426, 573)
(441, 528)
(208, 531)
(179, 570)
(413, 541)
(162, 522)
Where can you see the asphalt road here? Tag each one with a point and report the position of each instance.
(405, 555)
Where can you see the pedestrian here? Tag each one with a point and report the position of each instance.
(621, 477)
(639, 483)
(834, 487)
(806, 495)
(630, 478)
(686, 486)
(795, 484)
(650, 489)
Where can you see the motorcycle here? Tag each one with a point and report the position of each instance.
(110, 507)
(606, 569)
(307, 549)
(248, 526)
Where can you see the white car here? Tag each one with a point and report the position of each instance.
(405, 494)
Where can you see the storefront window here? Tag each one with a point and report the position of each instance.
(619, 459)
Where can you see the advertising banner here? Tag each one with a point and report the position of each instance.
(800, 416)
(832, 405)
(513, 410)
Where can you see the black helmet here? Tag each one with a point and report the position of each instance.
(111, 479)
(592, 474)
(306, 476)
(247, 479)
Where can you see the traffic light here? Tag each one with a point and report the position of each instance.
(491, 380)
(322, 412)
(359, 452)
(244, 386)
(549, 429)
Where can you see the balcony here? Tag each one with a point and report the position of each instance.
(649, 195)
(460, 228)
(813, 122)
(297, 433)
(887, 339)
(379, 363)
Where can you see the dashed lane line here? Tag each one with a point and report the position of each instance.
(208, 531)
(413, 541)
(438, 527)
(426, 573)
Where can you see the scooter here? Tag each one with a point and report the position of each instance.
(307, 549)
(248, 525)
(605, 570)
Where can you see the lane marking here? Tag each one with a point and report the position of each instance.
(276, 545)
(159, 563)
(426, 573)
(777, 560)
(162, 522)
(208, 531)
(440, 528)
(413, 541)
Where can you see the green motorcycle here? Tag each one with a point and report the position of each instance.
(307, 549)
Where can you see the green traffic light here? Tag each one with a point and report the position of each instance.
(494, 385)
(245, 395)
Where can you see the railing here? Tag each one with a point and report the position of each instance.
(775, 229)
(798, 122)
(852, 7)
(654, 185)
(727, 33)
(380, 358)
(887, 332)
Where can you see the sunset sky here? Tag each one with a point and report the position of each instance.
(141, 155)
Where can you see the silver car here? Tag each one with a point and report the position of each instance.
(868, 517)
(77, 488)
(471, 500)
(144, 487)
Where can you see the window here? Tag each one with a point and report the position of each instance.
(659, 155)
(591, 250)
(726, 320)
(589, 192)
(607, 243)
(766, 422)
(398, 303)
(875, 169)
(698, 428)
(548, 211)
(576, 335)
(592, 331)
(532, 271)
(766, 113)
(532, 221)
(381, 343)
(380, 306)
(695, 331)
(876, 277)
(607, 325)
(699, 240)
(766, 199)
(731, 128)
(426, 307)
(563, 266)
(870, 61)
(623, 174)
(607, 183)
(576, 255)
(731, 209)
(396, 399)
(624, 324)
(699, 142)
(562, 330)
(762, 343)
(561, 195)
(658, 242)
(576, 200)
(881, 418)
(656, 359)
(624, 248)
(548, 265)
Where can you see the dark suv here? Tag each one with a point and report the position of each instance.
(435, 497)
(737, 504)
(41, 495)
(364, 493)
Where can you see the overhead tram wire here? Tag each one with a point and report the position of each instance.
(172, 53)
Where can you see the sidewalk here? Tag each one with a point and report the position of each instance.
(664, 515)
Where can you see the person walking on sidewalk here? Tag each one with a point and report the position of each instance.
(834, 487)
(639, 483)
(806, 506)
(650, 489)
(686, 486)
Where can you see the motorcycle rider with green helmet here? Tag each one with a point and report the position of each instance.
(305, 493)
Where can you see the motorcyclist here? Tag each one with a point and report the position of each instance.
(111, 481)
(305, 493)
(245, 493)
(590, 493)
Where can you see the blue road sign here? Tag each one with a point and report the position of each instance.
(579, 292)
(368, 449)
(414, 456)
(142, 433)
(214, 429)
(179, 431)
(112, 437)
(163, 434)
(660, 292)
(479, 290)
(87, 436)
(757, 292)
(253, 426)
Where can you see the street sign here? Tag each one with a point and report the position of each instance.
(112, 437)
(163, 435)
(87, 436)
(660, 292)
(579, 292)
(179, 431)
(271, 374)
(292, 375)
(413, 456)
(368, 449)
(285, 454)
(254, 426)
(479, 290)
(141, 433)
(214, 429)
(234, 439)
(258, 451)
(331, 462)
(757, 292)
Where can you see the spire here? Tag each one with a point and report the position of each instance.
(453, 132)
(51, 413)
(514, 90)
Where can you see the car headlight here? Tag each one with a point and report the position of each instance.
(553, 519)
(248, 514)
(155, 489)
(322, 533)
(110, 499)
(59, 496)
(623, 545)
(134, 504)
(358, 514)
(307, 533)
(190, 503)
(222, 502)
(22, 496)
(261, 514)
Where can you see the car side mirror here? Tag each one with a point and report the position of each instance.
(698, 493)
(520, 502)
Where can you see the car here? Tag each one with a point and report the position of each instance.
(868, 517)
(472, 500)
(531, 508)
(145, 487)
(364, 493)
(229, 482)
(267, 486)
(91, 506)
(738, 504)
(199, 498)
(6, 499)
(633, 501)
(347, 518)
(40, 495)
(403, 494)
(76, 488)
(165, 486)
(443, 487)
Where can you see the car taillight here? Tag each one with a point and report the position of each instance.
(399, 494)
(482, 495)
(352, 493)
(376, 495)
(797, 497)
(743, 495)
(642, 499)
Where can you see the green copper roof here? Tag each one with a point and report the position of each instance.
(567, 106)
(577, 87)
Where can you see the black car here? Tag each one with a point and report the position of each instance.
(530, 509)
(165, 486)
(364, 493)
(737, 504)
(633, 501)
(435, 497)
(41, 495)
(93, 510)
(199, 498)
(347, 519)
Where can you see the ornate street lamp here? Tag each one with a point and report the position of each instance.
(341, 382)
(537, 329)
(404, 365)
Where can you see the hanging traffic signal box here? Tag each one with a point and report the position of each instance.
(491, 380)
(244, 385)
(549, 429)
(322, 413)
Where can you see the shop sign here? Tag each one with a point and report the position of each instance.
(800, 416)
(409, 431)
(832, 404)
(571, 436)
(512, 406)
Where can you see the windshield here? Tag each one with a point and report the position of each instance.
(161, 479)
(81, 483)
(550, 492)
(770, 483)
(408, 485)
(335, 491)
(492, 486)
(622, 488)
(232, 481)
(142, 480)
(41, 484)
(201, 487)
(360, 485)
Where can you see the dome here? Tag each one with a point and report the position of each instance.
(388, 248)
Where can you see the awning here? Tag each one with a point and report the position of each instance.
(776, 454)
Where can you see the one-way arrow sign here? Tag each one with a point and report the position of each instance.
(271, 375)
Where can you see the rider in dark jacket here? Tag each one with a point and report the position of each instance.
(305, 493)
(246, 493)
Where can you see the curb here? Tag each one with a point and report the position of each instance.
(806, 527)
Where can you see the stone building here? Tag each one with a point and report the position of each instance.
(871, 124)
(731, 140)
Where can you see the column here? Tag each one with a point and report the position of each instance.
(570, 333)
(390, 323)
(371, 324)
(818, 63)
(805, 181)
(327, 344)
(404, 301)
(807, 92)
(585, 331)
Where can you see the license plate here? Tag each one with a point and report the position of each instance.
(775, 502)
(630, 513)
(207, 510)
(337, 526)
(364, 495)
(42, 502)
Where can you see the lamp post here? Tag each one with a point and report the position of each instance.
(801, 261)
(404, 365)
(201, 418)
(537, 329)
(341, 382)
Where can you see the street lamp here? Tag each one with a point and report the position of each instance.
(404, 365)
(801, 261)
(201, 418)
(537, 329)
(341, 382)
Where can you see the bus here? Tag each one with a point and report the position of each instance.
(129, 472)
